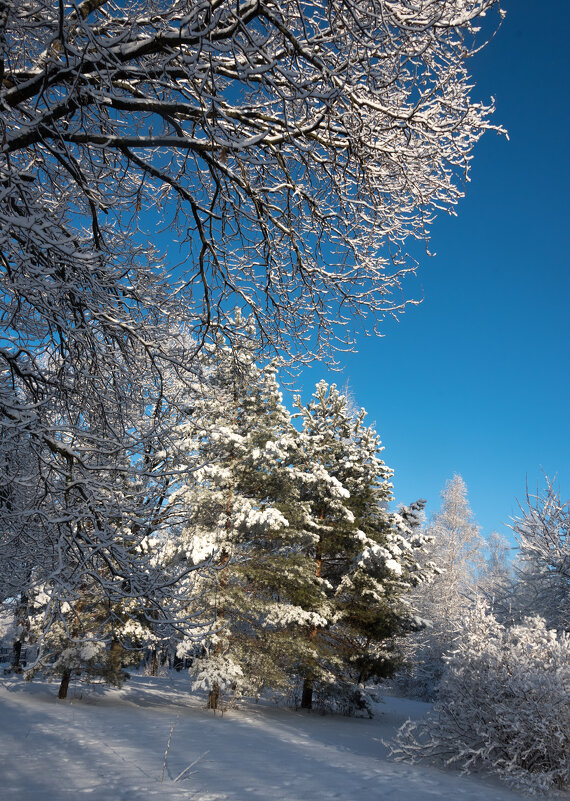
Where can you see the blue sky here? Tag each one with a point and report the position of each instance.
(476, 380)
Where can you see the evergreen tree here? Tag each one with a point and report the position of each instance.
(241, 515)
(362, 555)
(85, 636)
(303, 566)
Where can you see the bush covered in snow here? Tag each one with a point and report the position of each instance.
(503, 705)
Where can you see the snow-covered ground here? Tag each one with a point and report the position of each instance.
(109, 745)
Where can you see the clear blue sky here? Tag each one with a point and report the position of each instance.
(476, 380)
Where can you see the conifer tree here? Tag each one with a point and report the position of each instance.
(362, 555)
(86, 636)
(238, 509)
(307, 566)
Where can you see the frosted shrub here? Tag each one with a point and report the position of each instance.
(504, 705)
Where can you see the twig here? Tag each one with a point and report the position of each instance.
(191, 765)
(167, 750)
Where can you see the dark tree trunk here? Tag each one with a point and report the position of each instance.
(63, 687)
(308, 682)
(22, 620)
(116, 675)
(16, 655)
(307, 696)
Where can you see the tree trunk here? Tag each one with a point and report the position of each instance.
(307, 696)
(24, 625)
(16, 655)
(116, 675)
(214, 695)
(63, 687)
(154, 662)
(308, 681)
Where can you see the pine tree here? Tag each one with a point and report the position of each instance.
(307, 567)
(362, 554)
(83, 636)
(240, 511)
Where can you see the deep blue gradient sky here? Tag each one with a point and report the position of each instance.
(476, 380)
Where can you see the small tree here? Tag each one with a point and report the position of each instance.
(456, 550)
(83, 636)
(82, 524)
(543, 568)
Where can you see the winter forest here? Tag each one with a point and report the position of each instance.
(198, 198)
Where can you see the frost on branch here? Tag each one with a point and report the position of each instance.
(455, 551)
(288, 148)
(543, 567)
(286, 144)
(503, 705)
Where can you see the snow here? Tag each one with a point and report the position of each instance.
(106, 744)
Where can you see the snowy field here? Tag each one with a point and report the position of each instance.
(109, 745)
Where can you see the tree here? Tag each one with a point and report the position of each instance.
(239, 508)
(495, 582)
(456, 551)
(86, 637)
(289, 147)
(309, 574)
(363, 556)
(295, 146)
(20, 525)
(88, 481)
(542, 581)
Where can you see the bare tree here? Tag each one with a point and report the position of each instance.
(542, 570)
(457, 552)
(296, 144)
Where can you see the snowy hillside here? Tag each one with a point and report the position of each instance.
(109, 745)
